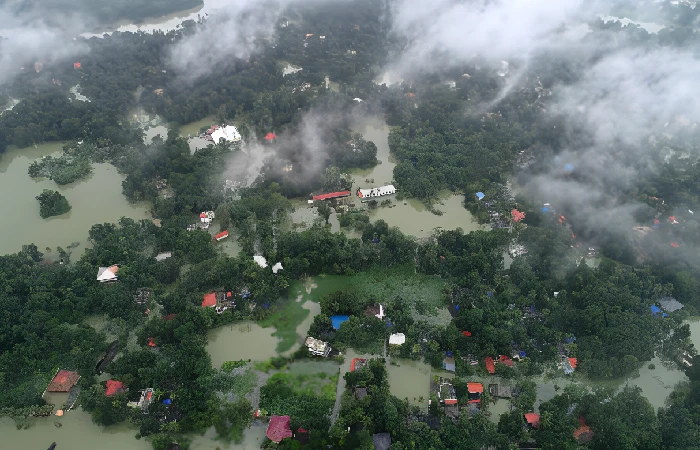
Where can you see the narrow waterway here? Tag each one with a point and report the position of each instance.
(410, 215)
(97, 199)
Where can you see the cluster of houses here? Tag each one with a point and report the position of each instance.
(220, 301)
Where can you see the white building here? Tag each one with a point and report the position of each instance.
(228, 133)
(318, 347)
(106, 274)
(376, 192)
(397, 339)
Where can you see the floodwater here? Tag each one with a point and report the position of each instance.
(410, 215)
(191, 132)
(158, 130)
(77, 432)
(410, 379)
(501, 406)
(658, 383)
(243, 340)
(97, 199)
(253, 437)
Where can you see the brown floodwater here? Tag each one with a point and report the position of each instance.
(410, 215)
(97, 199)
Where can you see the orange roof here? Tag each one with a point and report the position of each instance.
(583, 433)
(220, 236)
(474, 388)
(452, 401)
(573, 362)
(490, 367)
(151, 342)
(533, 419)
(209, 300)
(63, 381)
(114, 387)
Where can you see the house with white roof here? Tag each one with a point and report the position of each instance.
(376, 192)
(229, 133)
(107, 274)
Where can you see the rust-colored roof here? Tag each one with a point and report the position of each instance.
(573, 362)
(63, 381)
(474, 388)
(209, 300)
(533, 419)
(278, 428)
(490, 366)
(114, 387)
(338, 194)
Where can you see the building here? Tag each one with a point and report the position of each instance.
(145, 400)
(448, 363)
(207, 216)
(330, 196)
(337, 321)
(357, 364)
(376, 192)
(278, 429)
(114, 387)
(107, 274)
(670, 304)
(63, 381)
(360, 392)
(583, 433)
(490, 366)
(474, 390)
(446, 392)
(209, 300)
(162, 256)
(318, 347)
(229, 133)
(381, 441)
(569, 365)
(397, 339)
(221, 236)
(376, 311)
(500, 391)
(532, 419)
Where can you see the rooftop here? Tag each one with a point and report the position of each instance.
(330, 195)
(381, 441)
(278, 428)
(63, 381)
(114, 387)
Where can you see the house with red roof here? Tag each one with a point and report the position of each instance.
(490, 366)
(331, 196)
(505, 360)
(583, 433)
(532, 419)
(278, 429)
(357, 364)
(209, 300)
(114, 387)
(474, 392)
(221, 236)
(63, 381)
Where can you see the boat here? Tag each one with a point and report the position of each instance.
(53, 446)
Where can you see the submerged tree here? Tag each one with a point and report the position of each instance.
(52, 203)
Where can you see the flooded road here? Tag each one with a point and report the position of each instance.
(97, 199)
(410, 215)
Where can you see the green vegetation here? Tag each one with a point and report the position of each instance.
(301, 397)
(52, 203)
(449, 292)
